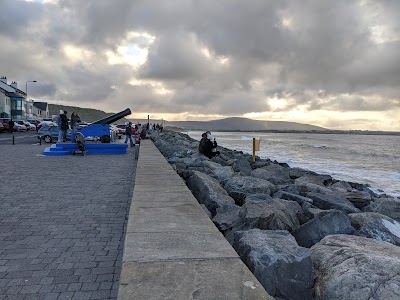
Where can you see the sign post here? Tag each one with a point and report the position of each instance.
(256, 147)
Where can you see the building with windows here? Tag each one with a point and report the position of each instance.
(13, 103)
(40, 109)
(5, 104)
(12, 100)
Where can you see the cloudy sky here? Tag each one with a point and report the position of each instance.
(334, 63)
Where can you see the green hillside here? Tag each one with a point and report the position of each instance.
(86, 114)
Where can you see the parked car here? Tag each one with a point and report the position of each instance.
(34, 122)
(19, 127)
(5, 121)
(1, 127)
(121, 126)
(118, 132)
(49, 133)
(48, 123)
(32, 126)
(25, 123)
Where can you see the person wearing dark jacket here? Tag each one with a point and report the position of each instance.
(208, 145)
(11, 126)
(62, 126)
(128, 134)
(74, 121)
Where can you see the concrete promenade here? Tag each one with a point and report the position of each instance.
(172, 249)
(62, 223)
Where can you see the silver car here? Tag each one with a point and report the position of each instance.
(50, 133)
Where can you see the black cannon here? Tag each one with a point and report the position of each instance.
(101, 128)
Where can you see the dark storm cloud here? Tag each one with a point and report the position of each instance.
(311, 52)
(16, 16)
(41, 90)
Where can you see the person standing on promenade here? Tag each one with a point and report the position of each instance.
(75, 119)
(11, 126)
(128, 134)
(62, 126)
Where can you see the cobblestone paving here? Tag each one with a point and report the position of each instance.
(62, 223)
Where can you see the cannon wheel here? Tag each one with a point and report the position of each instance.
(105, 139)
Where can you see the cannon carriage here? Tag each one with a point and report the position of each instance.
(101, 128)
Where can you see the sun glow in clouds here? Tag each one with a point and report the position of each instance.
(287, 22)
(156, 86)
(43, 1)
(133, 50)
(76, 54)
(185, 116)
(222, 60)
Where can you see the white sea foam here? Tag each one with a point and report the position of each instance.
(394, 228)
(320, 146)
(247, 138)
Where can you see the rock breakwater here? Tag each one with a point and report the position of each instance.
(304, 235)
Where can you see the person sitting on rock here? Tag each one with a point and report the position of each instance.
(208, 145)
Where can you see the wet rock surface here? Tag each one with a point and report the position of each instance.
(352, 267)
(281, 266)
(267, 210)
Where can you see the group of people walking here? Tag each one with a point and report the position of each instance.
(136, 132)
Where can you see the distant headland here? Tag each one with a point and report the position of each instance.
(228, 124)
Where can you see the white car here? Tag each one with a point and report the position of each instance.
(32, 126)
(19, 127)
(46, 123)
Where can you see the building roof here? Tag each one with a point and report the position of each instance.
(40, 105)
(13, 94)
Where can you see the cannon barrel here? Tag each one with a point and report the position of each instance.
(113, 118)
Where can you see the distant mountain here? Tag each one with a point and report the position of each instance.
(243, 124)
(228, 124)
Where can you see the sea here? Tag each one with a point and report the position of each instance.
(367, 159)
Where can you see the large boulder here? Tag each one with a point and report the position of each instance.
(171, 149)
(289, 196)
(305, 188)
(249, 185)
(229, 222)
(280, 265)
(352, 267)
(274, 173)
(298, 172)
(228, 219)
(325, 223)
(209, 192)
(222, 173)
(359, 199)
(376, 226)
(338, 202)
(341, 186)
(264, 212)
(242, 165)
(389, 206)
(315, 178)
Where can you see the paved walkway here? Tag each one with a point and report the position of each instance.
(62, 223)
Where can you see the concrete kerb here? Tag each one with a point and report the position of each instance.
(172, 249)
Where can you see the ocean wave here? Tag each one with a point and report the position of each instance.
(320, 146)
(246, 138)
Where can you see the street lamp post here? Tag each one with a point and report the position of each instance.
(26, 87)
